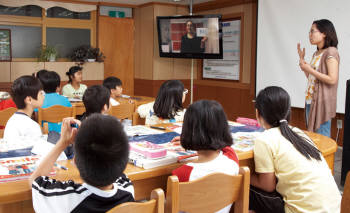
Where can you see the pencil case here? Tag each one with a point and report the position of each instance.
(147, 149)
(248, 121)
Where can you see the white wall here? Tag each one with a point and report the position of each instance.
(284, 23)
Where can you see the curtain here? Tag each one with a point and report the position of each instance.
(48, 4)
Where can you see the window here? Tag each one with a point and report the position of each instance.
(67, 39)
(25, 41)
(59, 12)
(30, 10)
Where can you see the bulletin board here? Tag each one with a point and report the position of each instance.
(227, 68)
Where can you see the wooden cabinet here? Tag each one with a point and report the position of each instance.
(10, 71)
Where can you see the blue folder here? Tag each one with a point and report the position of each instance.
(16, 153)
(155, 138)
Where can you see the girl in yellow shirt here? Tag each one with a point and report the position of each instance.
(291, 174)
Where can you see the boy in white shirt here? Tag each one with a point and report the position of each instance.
(28, 94)
(114, 84)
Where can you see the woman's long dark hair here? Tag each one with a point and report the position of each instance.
(326, 27)
(273, 105)
(169, 99)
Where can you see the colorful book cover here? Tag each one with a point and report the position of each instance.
(244, 141)
(18, 168)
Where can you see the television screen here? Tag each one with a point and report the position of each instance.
(190, 36)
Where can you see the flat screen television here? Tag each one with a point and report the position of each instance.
(197, 36)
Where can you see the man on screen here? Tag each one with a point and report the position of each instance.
(190, 43)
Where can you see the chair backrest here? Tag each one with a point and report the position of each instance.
(5, 116)
(155, 205)
(137, 120)
(122, 111)
(345, 201)
(54, 114)
(210, 193)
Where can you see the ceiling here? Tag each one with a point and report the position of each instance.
(139, 2)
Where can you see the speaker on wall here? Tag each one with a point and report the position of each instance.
(346, 138)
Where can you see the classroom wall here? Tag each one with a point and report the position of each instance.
(148, 64)
(150, 70)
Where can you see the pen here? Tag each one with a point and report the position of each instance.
(60, 166)
(75, 125)
(158, 127)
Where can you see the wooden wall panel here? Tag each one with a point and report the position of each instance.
(5, 71)
(182, 68)
(24, 68)
(61, 68)
(95, 71)
(116, 41)
(5, 86)
(147, 40)
(163, 68)
(138, 42)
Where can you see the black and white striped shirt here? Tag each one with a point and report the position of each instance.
(50, 195)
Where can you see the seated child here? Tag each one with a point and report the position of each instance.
(39, 74)
(205, 129)
(74, 88)
(291, 174)
(167, 106)
(96, 100)
(101, 155)
(27, 93)
(51, 82)
(115, 86)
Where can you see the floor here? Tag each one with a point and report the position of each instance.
(337, 167)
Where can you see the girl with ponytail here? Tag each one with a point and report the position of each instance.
(291, 174)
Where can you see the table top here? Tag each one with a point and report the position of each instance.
(16, 191)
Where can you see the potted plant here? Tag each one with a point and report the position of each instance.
(86, 53)
(47, 53)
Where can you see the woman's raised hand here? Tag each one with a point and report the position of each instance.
(301, 52)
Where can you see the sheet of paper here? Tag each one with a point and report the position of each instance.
(140, 130)
(43, 148)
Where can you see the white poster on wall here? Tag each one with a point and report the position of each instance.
(227, 68)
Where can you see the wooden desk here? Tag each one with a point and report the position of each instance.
(16, 196)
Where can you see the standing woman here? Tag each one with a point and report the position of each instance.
(322, 74)
(74, 88)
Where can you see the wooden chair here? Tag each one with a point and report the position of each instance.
(53, 114)
(155, 205)
(122, 111)
(345, 201)
(137, 120)
(210, 193)
(4, 117)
